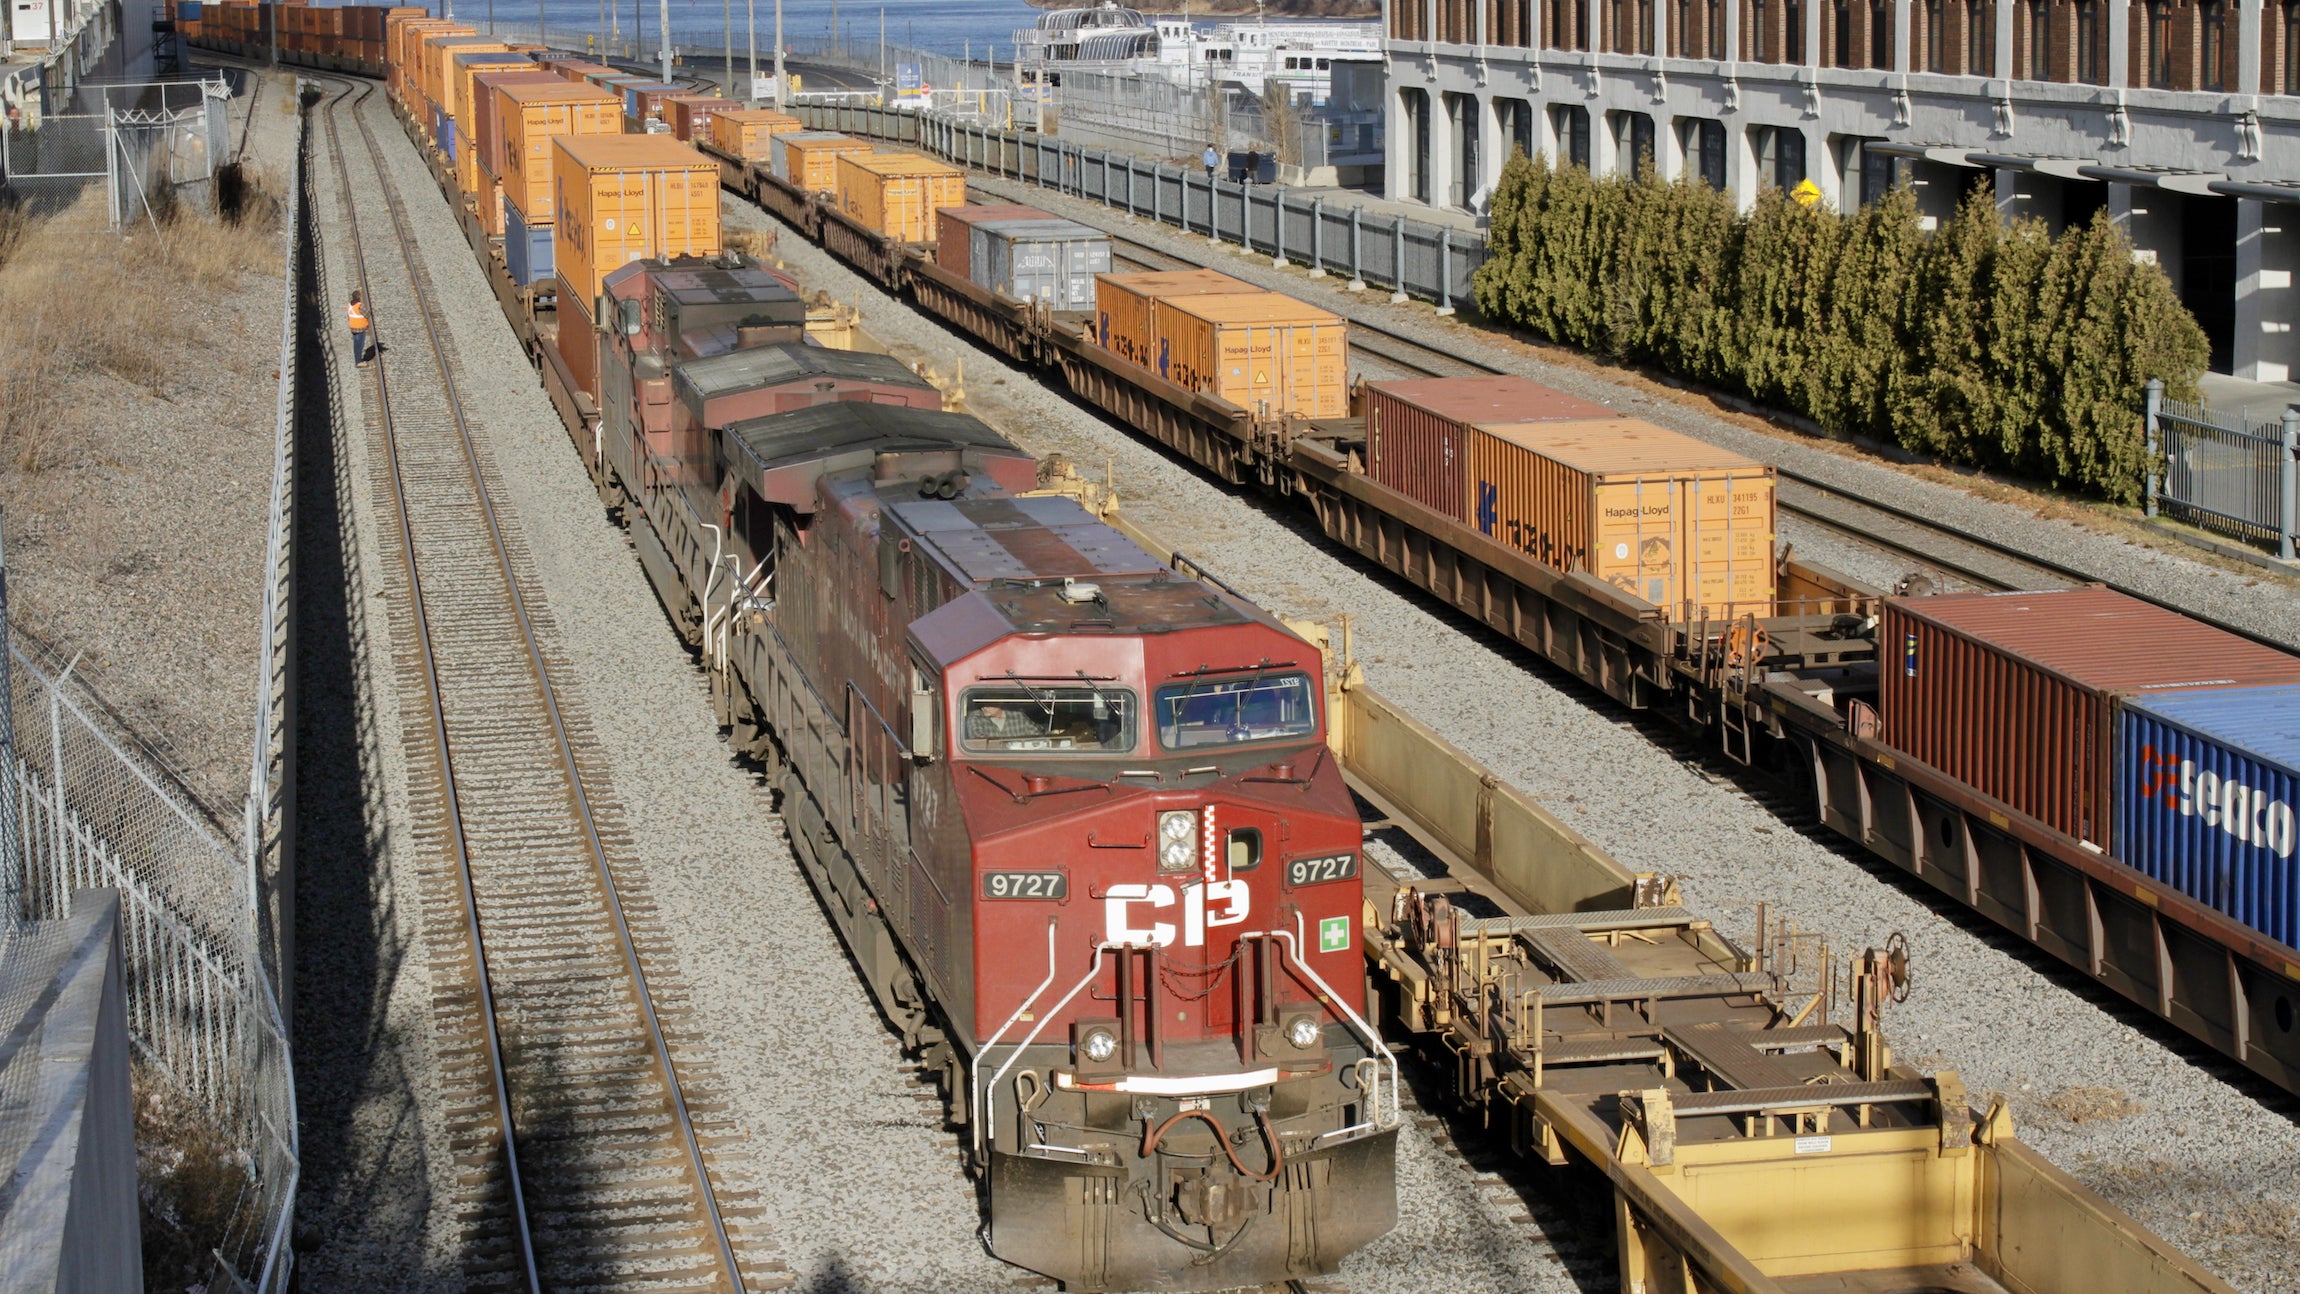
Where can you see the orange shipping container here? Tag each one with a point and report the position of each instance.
(438, 58)
(406, 38)
(1122, 322)
(747, 132)
(486, 115)
(1261, 351)
(690, 115)
(621, 198)
(812, 163)
(1675, 521)
(529, 117)
(897, 194)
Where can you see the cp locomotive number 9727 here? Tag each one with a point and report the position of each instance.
(1073, 813)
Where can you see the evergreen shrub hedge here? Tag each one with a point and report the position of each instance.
(2001, 347)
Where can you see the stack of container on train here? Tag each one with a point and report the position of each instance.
(2134, 732)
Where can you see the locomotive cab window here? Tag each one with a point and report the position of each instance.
(1030, 718)
(1232, 711)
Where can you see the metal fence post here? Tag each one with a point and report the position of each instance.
(2291, 476)
(1445, 273)
(1317, 238)
(1157, 194)
(2155, 477)
(1278, 230)
(1106, 179)
(1129, 184)
(1357, 281)
(1397, 258)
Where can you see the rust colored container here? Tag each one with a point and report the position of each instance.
(1417, 430)
(1675, 521)
(2011, 693)
(1261, 351)
(622, 198)
(898, 194)
(690, 115)
(1122, 306)
(810, 160)
(955, 240)
(529, 117)
(578, 343)
(575, 69)
(749, 132)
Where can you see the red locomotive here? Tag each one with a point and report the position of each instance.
(1073, 814)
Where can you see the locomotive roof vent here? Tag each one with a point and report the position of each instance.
(1076, 591)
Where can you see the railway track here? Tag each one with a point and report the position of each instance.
(582, 1163)
(1933, 547)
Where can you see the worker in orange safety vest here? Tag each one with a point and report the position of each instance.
(355, 314)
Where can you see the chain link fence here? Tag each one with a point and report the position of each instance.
(130, 138)
(82, 805)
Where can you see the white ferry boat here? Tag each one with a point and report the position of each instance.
(1111, 38)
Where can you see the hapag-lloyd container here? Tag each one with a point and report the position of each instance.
(2009, 693)
(1675, 521)
(1262, 351)
(2207, 799)
(578, 342)
(1053, 261)
(1417, 430)
(1122, 306)
(529, 117)
(811, 158)
(749, 132)
(899, 194)
(953, 249)
(622, 198)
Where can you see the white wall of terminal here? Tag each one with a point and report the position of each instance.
(2055, 150)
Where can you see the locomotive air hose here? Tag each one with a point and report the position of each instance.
(1261, 1117)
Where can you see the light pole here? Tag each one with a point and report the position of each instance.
(751, 36)
(663, 20)
(781, 95)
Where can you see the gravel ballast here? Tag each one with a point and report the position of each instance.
(2153, 1123)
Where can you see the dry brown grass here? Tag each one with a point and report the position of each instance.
(2084, 1104)
(78, 300)
(194, 1188)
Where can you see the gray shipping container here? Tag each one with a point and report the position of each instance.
(778, 157)
(1054, 261)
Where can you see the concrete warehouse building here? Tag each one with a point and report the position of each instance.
(2181, 117)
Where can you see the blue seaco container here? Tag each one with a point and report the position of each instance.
(2207, 796)
(526, 248)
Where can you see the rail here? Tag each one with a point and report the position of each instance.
(497, 558)
(2234, 475)
(1412, 258)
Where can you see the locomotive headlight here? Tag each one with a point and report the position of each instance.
(1302, 1032)
(1177, 840)
(1099, 1045)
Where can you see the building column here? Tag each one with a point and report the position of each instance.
(1732, 37)
(1904, 24)
(1813, 12)
(1397, 144)
(2118, 15)
(1493, 144)
(1741, 177)
(2005, 17)
(2151, 219)
(2267, 254)
(2249, 30)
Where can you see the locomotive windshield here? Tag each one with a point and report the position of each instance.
(1032, 717)
(1230, 711)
